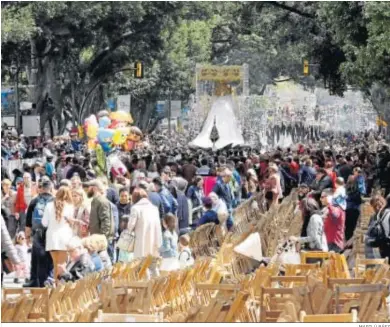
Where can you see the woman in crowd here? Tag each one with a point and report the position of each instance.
(58, 218)
(79, 265)
(26, 191)
(76, 182)
(152, 171)
(145, 222)
(313, 227)
(170, 238)
(195, 195)
(272, 186)
(82, 209)
(377, 243)
(97, 248)
(252, 182)
(355, 189)
(8, 202)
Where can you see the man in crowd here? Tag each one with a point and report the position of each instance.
(170, 203)
(334, 223)
(101, 220)
(41, 261)
(223, 190)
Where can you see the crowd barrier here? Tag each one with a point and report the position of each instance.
(222, 286)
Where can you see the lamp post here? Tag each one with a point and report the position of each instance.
(14, 69)
(169, 111)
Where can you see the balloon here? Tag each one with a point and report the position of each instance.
(92, 131)
(121, 116)
(91, 144)
(105, 135)
(91, 127)
(103, 113)
(117, 166)
(104, 122)
(120, 136)
(135, 134)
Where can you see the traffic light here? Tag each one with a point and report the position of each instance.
(138, 70)
(306, 67)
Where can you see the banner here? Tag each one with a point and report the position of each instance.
(220, 73)
(124, 103)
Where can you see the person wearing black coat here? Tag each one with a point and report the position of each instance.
(322, 182)
(76, 168)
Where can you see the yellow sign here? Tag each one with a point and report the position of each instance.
(305, 67)
(220, 73)
(381, 123)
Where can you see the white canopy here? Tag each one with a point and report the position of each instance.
(222, 111)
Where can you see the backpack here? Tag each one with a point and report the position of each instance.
(378, 232)
(39, 209)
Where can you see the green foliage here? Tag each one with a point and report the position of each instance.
(17, 24)
(349, 41)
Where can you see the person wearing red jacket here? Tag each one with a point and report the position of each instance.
(25, 192)
(334, 223)
(331, 173)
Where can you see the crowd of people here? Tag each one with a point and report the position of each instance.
(75, 219)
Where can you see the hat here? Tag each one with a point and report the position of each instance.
(18, 180)
(95, 183)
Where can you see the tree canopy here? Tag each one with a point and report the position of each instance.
(78, 54)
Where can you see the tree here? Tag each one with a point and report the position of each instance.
(76, 46)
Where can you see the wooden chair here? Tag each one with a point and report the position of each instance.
(127, 317)
(40, 302)
(344, 317)
(370, 297)
(363, 263)
(314, 255)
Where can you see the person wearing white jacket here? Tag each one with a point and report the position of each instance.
(315, 235)
(58, 218)
(145, 222)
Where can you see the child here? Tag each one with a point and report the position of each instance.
(22, 250)
(124, 256)
(340, 195)
(170, 238)
(185, 256)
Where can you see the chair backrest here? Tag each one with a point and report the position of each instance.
(127, 317)
(344, 317)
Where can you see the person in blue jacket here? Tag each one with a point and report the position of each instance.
(209, 216)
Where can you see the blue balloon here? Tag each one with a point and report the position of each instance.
(104, 122)
(105, 135)
(106, 147)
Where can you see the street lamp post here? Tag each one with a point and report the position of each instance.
(15, 72)
(169, 112)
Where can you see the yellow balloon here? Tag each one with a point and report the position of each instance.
(91, 144)
(92, 131)
(121, 116)
(120, 136)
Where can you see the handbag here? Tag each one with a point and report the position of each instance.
(8, 267)
(126, 241)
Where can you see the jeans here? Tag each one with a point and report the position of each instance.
(334, 247)
(112, 253)
(230, 221)
(16, 225)
(41, 263)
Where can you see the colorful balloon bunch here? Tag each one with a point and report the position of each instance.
(111, 130)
